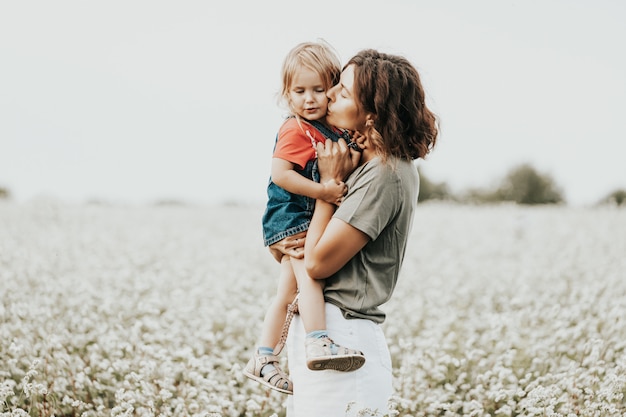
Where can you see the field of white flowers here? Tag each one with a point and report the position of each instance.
(152, 311)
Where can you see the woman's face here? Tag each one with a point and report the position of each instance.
(343, 109)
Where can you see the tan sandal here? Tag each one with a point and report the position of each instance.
(275, 379)
(319, 356)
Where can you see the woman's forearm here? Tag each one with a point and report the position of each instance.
(330, 242)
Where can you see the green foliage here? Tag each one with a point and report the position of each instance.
(5, 194)
(525, 185)
(522, 185)
(617, 197)
(480, 196)
(430, 190)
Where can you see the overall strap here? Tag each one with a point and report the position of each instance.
(328, 132)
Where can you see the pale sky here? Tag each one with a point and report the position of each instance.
(138, 101)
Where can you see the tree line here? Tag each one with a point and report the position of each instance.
(523, 184)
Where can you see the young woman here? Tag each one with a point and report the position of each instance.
(357, 248)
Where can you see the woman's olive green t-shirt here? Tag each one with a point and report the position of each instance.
(380, 202)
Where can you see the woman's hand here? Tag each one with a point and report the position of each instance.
(291, 245)
(336, 161)
(359, 141)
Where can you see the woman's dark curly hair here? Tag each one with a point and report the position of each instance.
(389, 87)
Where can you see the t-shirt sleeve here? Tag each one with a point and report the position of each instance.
(293, 145)
(372, 200)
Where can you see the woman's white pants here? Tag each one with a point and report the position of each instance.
(331, 393)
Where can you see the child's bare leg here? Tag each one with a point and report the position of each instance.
(311, 299)
(263, 367)
(275, 315)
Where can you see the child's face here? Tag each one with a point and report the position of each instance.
(307, 95)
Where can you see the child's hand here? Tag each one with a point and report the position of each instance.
(333, 191)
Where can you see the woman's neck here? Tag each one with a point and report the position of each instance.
(367, 155)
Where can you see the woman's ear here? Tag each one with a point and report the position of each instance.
(369, 120)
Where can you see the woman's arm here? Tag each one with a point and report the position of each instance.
(284, 175)
(330, 242)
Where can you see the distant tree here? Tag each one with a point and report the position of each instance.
(430, 190)
(5, 194)
(617, 197)
(169, 202)
(524, 185)
(480, 196)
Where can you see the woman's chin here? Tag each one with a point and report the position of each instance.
(336, 123)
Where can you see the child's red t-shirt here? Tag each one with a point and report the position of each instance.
(296, 142)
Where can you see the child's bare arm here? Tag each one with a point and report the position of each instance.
(285, 176)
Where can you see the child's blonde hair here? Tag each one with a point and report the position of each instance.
(316, 56)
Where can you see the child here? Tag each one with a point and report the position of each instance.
(309, 70)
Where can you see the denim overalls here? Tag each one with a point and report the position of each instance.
(287, 214)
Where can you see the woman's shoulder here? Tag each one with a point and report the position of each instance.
(390, 166)
(387, 172)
